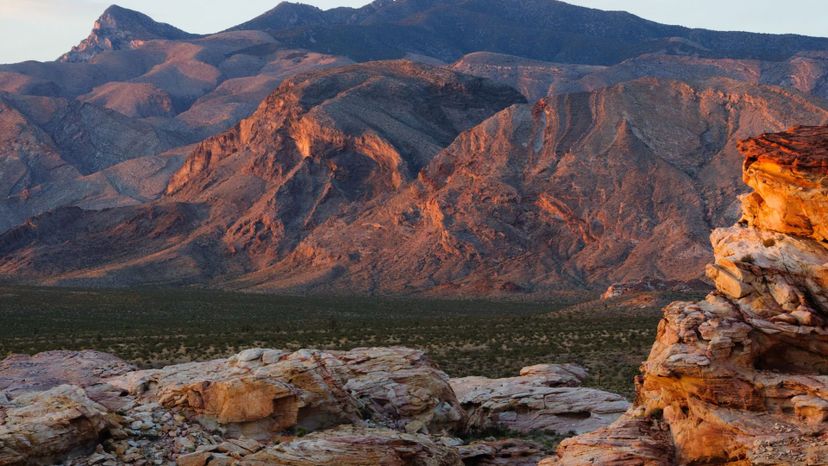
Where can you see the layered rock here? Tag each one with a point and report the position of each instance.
(364, 406)
(530, 200)
(741, 377)
(321, 147)
(258, 393)
(42, 427)
(349, 446)
(543, 398)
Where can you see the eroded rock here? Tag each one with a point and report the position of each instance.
(40, 427)
(742, 377)
(356, 446)
(258, 393)
(543, 398)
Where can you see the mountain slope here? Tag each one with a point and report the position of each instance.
(319, 191)
(804, 72)
(321, 146)
(585, 189)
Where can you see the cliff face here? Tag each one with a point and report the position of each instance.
(742, 377)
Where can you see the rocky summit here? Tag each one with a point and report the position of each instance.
(741, 377)
(388, 406)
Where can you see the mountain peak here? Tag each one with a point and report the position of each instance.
(285, 15)
(121, 28)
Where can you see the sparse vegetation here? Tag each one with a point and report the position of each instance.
(465, 337)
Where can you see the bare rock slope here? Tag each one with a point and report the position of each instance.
(119, 28)
(740, 378)
(590, 188)
(320, 147)
(373, 178)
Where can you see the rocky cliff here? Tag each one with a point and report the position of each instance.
(120, 28)
(741, 377)
(388, 406)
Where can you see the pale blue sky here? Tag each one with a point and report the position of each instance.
(44, 29)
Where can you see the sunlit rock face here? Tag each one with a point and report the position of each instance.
(742, 377)
(788, 174)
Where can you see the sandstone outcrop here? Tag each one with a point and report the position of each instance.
(350, 446)
(741, 377)
(42, 427)
(544, 398)
(262, 406)
(261, 392)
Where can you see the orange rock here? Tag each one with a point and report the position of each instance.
(789, 174)
(740, 378)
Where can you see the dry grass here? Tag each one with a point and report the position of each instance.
(490, 338)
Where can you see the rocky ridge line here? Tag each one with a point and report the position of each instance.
(121, 29)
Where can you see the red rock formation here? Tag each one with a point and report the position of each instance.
(742, 377)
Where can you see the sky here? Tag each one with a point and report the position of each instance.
(45, 29)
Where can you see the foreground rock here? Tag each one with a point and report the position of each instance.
(742, 377)
(261, 392)
(349, 446)
(39, 427)
(544, 398)
(364, 406)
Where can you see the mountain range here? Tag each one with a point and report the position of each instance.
(445, 147)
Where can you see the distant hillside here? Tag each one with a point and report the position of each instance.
(538, 29)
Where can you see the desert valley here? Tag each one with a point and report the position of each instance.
(416, 232)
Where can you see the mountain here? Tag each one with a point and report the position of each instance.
(321, 190)
(806, 72)
(57, 151)
(578, 190)
(143, 107)
(126, 163)
(320, 147)
(537, 29)
(727, 372)
(120, 28)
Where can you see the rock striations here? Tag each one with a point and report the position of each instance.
(742, 377)
(380, 406)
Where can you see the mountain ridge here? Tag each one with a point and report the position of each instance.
(389, 177)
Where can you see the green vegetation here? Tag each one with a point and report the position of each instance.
(464, 337)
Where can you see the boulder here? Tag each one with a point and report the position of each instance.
(23, 373)
(542, 398)
(357, 446)
(259, 393)
(42, 427)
